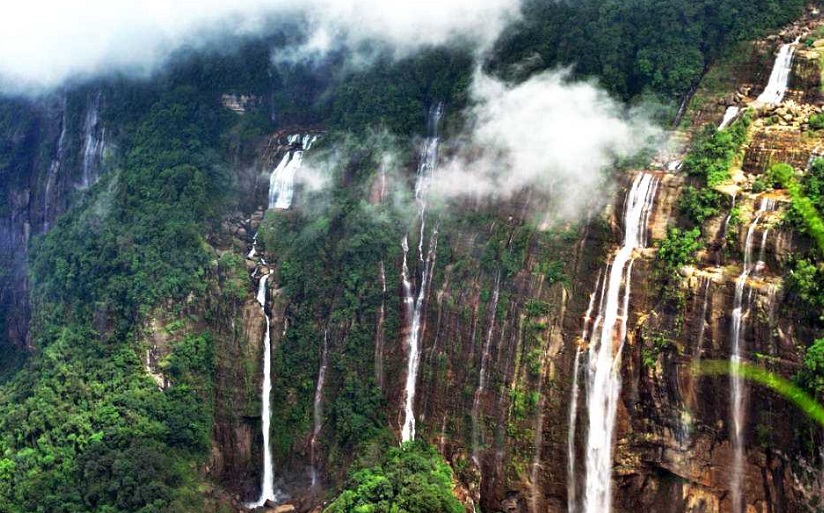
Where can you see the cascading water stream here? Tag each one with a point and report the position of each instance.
(317, 406)
(282, 179)
(780, 76)
(476, 402)
(724, 230)
(729, 116)
(54, 170)
(606, 345)
(414, 305)
(94, 137)
(267, 488)
(379, 334)
(572, 487)
(737, 392)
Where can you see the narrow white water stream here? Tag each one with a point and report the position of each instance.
(54, 170)
(606, 345)
(729, 116)
(94, 137)
(317, 406)
(572, 486)
(476, 402)
(267, 487)
(414, 305)
(737, 390)
(780, 76)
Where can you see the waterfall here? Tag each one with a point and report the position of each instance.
(572, 487)
(54, 169)
(689, 399)
(267, 491)
(606, 345)
(317, 411)
(780, 76)
(282, 178)
(94, 137)
(379, 335)
(724, 229)
(476, 402)
(737, 392)
(729, 115)
(414, 306)
(702, 329)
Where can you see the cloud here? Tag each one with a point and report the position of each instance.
(43, 43)
(549, 134)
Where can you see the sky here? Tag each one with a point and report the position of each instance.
(45, 42)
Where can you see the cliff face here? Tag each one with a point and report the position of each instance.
(55, 152)
(514, 326)
(502, 320)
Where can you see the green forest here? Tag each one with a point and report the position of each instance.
(83, 428)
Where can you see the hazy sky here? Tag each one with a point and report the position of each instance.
(44, 42)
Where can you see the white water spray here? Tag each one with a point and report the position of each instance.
(780, 76)
(737, 391)
(414, 306)
(282, 179)
(729, 116)
(572, 486)
(267, 492)
(604, 366)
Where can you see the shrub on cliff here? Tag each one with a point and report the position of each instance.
(811, 376)
(412, 478)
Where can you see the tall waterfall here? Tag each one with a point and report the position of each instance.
(414, 305)
(317, 406)
(282, 178)
(572, 487)
(780, 76)
(54, 170)
(267, 488)
(737, 391)
(606, 345)
(94, 137)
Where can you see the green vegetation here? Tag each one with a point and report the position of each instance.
(674, 252)
(713, 152)
(328, 265)
(762, 376)
(81, 426)
(658, 46)
(811, 377)
(655, 343)
(779, 175)
(677, 250)
(699, 204)
(816, 121)
(410, 479)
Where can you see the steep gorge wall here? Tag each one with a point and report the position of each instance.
(508, 442)
(55, 148)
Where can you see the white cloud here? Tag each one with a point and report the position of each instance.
(549, 134)
(44, 42)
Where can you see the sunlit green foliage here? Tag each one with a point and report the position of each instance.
(410, 479)
(811, 376)
(713, 152)
(699, 204)
(662, 46)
